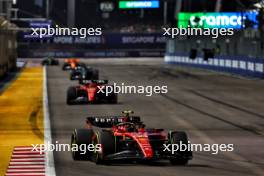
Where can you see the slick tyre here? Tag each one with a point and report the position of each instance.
(112, 98)
(64, 66)
(81, 137)
(71, 95)
(71, 76)
(44, 63)
(107, 142)
(182, 157)
(56, 62)
(95, 75)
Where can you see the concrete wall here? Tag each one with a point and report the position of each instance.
(241, 54)
(239, 65)
(243, 43)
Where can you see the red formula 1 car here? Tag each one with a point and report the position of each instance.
(70, 64)
(90, 91)
(126, 138)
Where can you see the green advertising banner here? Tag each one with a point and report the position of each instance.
(138, 4)
(216, 20)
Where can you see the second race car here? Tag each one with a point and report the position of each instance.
(90, 91)
(50, 61)
(84, 73)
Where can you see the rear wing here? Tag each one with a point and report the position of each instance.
(71, 60)
(101, 81)
(110, 121)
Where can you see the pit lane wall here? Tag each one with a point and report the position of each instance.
(239, 65)
(241, 54)
(7, 48)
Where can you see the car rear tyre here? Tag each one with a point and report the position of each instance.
(81, 137)
(44, 63)
(56, 62)
(179, 137)
(113, 99)
(71, 95)
(107, 142)
(64, 66)
(71, 76)
(95, 75)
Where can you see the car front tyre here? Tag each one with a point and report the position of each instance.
(182, 157)
(71, 95)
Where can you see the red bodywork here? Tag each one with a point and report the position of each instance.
(91, 89)
(141, 137)
(73, 62)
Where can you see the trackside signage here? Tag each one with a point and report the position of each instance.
(138, 4)
(234, 20)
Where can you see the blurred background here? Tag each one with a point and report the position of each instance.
(128, 31)
(211, 107)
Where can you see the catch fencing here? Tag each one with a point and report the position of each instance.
(241, 54)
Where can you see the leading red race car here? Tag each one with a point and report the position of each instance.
(90, 91)
(125, 137)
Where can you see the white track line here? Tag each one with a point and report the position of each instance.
(49, 164)
(25, 163)
(27, 152)
(27, 167)
(27, 156)
(27, 159)
(26, 170)
(28, 149)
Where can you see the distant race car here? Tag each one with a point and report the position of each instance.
(70, 64)
(90, 91)
(125, 137)
(50, 61)
(84, 73)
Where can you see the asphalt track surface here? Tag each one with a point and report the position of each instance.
(210, 107)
